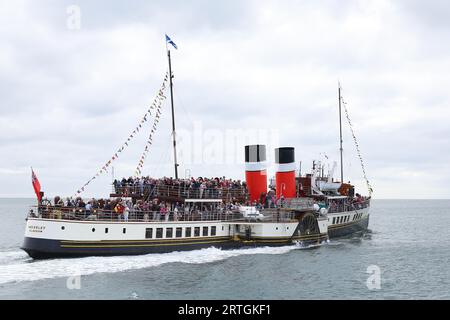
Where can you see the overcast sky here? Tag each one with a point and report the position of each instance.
(245, 72)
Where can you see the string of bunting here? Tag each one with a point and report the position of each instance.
(138, 170)
(156, 105)
(369, 187)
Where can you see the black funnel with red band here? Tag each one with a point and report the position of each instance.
(256, 170)
(285, 174)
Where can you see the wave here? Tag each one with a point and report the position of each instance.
(8, 257)
(18, 268)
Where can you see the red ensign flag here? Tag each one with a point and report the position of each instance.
(36, 185)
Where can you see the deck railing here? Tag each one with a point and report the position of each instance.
(81, 214)
(180, 191)
(348, 206)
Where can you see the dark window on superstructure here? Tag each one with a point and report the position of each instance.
(334, 220)
(159, 232)
(187, 232)
(197, 232)
(213, 230)
(106, 230)
(222, 228)
(124, 230)
(148, 233)
(179, 232)
(169, 232)
(205, 231)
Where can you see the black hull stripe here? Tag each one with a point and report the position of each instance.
(44, 248)
(349, 230)
(133, 243)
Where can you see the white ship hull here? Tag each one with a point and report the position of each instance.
(48, 238)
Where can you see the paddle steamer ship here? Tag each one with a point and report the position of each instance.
(304, 210)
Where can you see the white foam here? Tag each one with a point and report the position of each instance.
(8, 257)
(47, 269)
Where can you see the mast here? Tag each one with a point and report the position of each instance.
(173, 117)
(340, 133)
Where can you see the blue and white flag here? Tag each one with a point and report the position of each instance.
(168, 40)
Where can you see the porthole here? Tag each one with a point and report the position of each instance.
(62, 228)
(93, 229)
(106, 230)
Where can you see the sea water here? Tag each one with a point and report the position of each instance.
(405, 255)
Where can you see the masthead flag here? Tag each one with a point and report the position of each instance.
(36, 185)
(168, 40)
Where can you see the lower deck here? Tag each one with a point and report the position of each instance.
(49, 238)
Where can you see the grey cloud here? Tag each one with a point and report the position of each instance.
(70, 98)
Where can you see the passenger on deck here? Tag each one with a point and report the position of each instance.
(126, 212)
(156, 209)
(88, 208)
(175, 212)
(164, 212)
(118, 209)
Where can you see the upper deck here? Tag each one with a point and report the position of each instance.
(180, 193)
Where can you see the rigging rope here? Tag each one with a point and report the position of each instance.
(369, 187)
(161, 97)
(156, 104)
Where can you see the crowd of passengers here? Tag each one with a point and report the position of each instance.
(348, 204)
(152, 209)
(190, 187)
(157, 209)
(124, 209)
